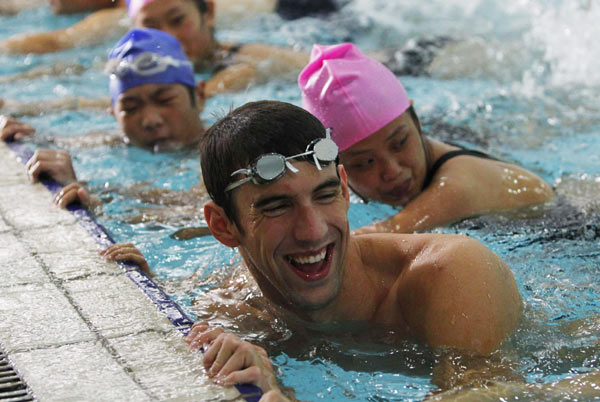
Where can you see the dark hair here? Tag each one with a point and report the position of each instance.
(201, 5)
(248, 132)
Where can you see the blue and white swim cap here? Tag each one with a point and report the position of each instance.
(147, 56)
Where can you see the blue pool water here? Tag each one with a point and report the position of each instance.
(541, 110)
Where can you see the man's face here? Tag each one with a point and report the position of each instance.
(181, 19)
(158, 116)
(78, 6)
(295, 234)
(390, 165)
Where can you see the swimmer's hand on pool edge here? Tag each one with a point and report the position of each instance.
(77, 193)
(56, 164)
(229, 360)
(126, 252)
(12, 129)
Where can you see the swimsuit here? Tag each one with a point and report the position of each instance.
(416, 56)
(293, 9)
(452, 154)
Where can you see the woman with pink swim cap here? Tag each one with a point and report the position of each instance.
(388, 159)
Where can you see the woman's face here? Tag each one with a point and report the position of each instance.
(183, 20)
(390, 165)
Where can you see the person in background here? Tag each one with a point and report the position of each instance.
(387, 157)
(109, 17)
(155, 101)
(232, 66)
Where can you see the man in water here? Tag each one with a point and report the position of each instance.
(280, 197)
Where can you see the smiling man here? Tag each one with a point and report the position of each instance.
(280, 197)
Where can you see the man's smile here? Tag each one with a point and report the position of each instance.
(312, 266)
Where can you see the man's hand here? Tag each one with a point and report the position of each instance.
(13, 129)
(229, 360)
(56, 164)
(126, 252)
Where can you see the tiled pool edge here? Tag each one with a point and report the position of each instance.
(167, 307)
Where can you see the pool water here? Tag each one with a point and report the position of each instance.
(531, 97)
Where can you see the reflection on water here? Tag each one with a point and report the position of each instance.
(521, 81)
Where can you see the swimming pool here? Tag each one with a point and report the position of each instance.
(531, 97)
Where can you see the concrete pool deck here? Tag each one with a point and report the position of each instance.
(74, 326)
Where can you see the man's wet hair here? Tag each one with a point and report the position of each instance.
(246, 133)
(201, 5)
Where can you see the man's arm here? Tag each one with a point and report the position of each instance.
(459, 294)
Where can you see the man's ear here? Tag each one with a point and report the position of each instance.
(209, 14)
(219, 225)
(111, 110)
(344, 184)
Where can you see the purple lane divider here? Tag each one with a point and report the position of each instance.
(172, 310)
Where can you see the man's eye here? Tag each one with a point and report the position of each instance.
(274, 209)
(327, 196)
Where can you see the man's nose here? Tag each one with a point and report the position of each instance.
(310, 224)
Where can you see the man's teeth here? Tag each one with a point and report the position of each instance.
(310, 259)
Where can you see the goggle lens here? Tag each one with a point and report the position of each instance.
(270, 167)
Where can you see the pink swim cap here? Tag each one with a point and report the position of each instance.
(134, 6)
(351, 93)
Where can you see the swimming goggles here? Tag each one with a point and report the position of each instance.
(270, 167)
(144, 64)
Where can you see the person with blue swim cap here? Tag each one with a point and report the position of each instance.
(154, 98)
(153, 91)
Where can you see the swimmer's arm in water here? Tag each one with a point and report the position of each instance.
(229, 360)
(126, 252)
(91, 30)
(467, 186)
(13, 129)
(584, 386)
(257, 64)
(19, 109)
(458, 294)
(10, 7)
(233, 78)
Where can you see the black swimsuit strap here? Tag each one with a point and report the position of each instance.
(449, 155)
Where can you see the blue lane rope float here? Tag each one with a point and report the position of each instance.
(175, 314)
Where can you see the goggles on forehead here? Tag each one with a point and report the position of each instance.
(270, 167)
(144, 64)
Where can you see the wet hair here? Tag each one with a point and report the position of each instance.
(248, 132)
(201, 6)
